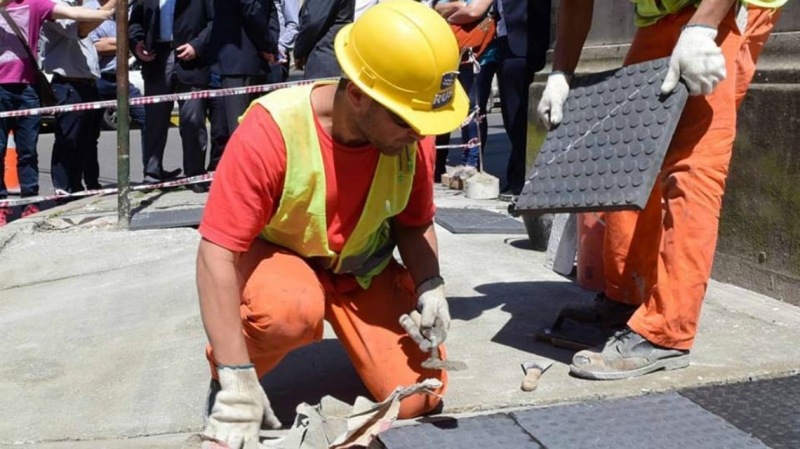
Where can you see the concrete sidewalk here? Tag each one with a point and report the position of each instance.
(104, 345)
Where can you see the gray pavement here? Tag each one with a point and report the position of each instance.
(104, 346)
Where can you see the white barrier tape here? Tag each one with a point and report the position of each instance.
(60, 194)
(196, 95)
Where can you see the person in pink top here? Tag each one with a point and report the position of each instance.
(17, 86)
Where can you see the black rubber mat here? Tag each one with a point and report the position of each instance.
(662, 421)
(477, 221)
(482, 432)
(768, 409)
(608, 150)
(179, 218)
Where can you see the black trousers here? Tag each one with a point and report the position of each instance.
(514, 78)
(235, 105)
(194, 137)
(74, 158)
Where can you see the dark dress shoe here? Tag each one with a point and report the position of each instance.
(198, 188)
(164, 175)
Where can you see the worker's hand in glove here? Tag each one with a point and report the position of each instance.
(551, 106)
(241, 408)
(697, 59)
(429, 326)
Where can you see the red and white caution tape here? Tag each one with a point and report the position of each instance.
(60, 194)
(196, 95)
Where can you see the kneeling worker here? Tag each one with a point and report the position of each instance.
(317, 186)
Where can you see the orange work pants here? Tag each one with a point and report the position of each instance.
(284, 302)
(660, 258)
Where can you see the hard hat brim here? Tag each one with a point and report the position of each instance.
(427, 123)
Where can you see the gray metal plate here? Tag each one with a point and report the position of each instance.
(477, 221)
(664, 421)
(179, 218)
(769, 409)
(482, 432)
(608, 150)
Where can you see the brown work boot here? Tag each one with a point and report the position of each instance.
(626, 354)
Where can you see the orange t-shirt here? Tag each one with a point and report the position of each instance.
(248, 184)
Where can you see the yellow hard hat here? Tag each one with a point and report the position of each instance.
(404, 56)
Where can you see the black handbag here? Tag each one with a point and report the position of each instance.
(43, 88)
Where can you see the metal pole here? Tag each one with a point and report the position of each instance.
(123, 118)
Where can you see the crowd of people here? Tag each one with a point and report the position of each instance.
(320, 183)
(182, 46)
(186, 46)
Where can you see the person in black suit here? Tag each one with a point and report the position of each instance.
(170, 37)
(320, 20)
(522, 51)
(244, 40)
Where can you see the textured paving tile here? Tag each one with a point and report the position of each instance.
(167, 219)
(482, 432)
(606, 153)
(768, 409)
(477, 221)
(664, 421)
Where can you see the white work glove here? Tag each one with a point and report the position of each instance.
(551, 106)
(430, 329)
(240, 409)
(697, 59)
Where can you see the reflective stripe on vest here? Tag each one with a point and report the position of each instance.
(300, 223)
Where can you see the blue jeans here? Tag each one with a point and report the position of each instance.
(26, 135)
(467, 78)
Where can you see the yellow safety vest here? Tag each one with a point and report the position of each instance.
(649, 12)
(300, 222)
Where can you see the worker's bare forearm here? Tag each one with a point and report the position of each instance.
(711, 12)
(419, 249)
(572, 26)
(219, 288)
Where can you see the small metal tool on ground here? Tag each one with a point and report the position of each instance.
(533, 371)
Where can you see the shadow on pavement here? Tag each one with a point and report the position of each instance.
(531, 306)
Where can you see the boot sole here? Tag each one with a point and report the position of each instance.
(668, 364)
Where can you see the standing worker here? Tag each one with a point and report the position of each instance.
(318, 185)
(657, 262)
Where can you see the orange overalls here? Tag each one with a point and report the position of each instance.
(661, 257)
(284, 303)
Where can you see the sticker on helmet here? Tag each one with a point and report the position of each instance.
(442, 98)
(448, 80)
